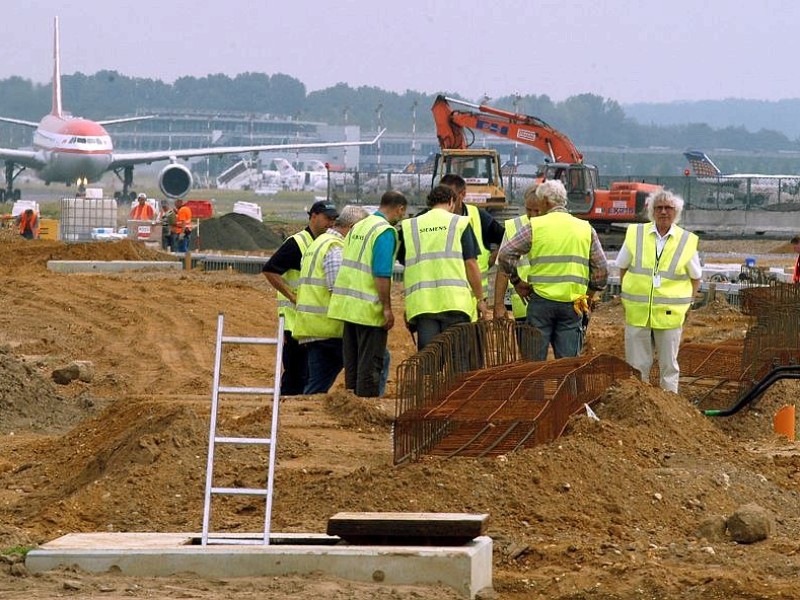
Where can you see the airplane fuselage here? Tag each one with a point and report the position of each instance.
(73, 149)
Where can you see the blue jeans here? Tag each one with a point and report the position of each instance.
(559, 325)
(387, 361)
(324, 365)
(429, 325)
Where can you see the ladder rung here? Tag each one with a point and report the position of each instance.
(256, 540)
(239, 491)
(230, 339)
(239, 440)
(246, 390)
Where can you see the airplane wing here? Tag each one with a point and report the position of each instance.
(19, 122)
(128, 159)
(124, 120)
(25, 158)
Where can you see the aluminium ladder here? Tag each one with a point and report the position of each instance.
(214, 439)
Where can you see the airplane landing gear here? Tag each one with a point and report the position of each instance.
(10, 193)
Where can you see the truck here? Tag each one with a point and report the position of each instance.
(481, 168)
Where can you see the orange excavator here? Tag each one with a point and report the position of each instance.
(622, 203)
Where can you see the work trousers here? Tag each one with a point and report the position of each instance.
(639, 345)
(429, 325)
(559, 325)
(364, 349)
(324, 364)
(295, 366)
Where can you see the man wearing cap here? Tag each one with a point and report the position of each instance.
(142, 211)
(283, 272)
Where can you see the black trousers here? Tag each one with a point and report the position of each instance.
(295, 366)
(364, 347)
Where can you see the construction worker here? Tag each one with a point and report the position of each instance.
(142, 211)
(567, 266)
(29, 224)
(313, 328)
(282, 271)
(361, 296)
(519, 307)
(182, 229)
(441, 280)
(166, 216)
(660, 272)
(487, 230)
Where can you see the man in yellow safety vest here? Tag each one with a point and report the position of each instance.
(660, 273)
(567, 266)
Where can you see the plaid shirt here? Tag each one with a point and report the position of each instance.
(520, 244)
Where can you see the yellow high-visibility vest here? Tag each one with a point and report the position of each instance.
(313, 295)
(559, 256)
(483, 253)
(513, 227)
(435, 278)
(285, 306)
(355, 297)
(665, 306)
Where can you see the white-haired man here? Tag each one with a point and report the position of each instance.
(313, 328)
(660, 273)
(567, 266)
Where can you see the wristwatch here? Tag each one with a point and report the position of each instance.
(514, 279)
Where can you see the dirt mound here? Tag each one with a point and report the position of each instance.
(355, 412)
(234, 231)
(30, 402)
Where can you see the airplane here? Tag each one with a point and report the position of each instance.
(72, 149)
(752, 188)
(704, 168)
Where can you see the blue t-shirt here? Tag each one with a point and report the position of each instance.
(383, 252)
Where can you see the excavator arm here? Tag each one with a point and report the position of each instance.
(454, 126)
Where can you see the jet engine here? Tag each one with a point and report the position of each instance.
(175, 180)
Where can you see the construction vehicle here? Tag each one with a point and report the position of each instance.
(622, 203)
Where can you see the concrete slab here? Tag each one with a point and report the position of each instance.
(467, 568)
(110, 266)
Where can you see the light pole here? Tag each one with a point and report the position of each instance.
(379, 113)
(414, 133)
(516, 112)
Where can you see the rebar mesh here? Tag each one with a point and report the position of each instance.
(473, 393)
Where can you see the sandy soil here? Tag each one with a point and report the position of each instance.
(127, 451)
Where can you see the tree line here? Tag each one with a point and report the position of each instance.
(589, 119)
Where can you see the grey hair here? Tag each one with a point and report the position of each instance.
(553, 191)
(350, 215)
(667, 197)
(530, 192)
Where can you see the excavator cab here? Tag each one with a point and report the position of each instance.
(580, 181)
(480, 168)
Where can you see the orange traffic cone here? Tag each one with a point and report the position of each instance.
(783, 422)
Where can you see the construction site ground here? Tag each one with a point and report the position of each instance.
(610, 510)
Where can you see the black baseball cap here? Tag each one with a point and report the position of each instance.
(324, 207)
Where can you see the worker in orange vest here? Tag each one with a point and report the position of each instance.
(142, 211)
(183, 225)
(29, 224)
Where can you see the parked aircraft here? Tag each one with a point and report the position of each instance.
(76, 150)
(704, 168)
(747, 188)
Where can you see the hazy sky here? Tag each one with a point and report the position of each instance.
(629, 51)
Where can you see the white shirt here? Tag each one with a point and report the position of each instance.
(625, 258)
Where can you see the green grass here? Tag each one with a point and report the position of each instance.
(21, 550)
